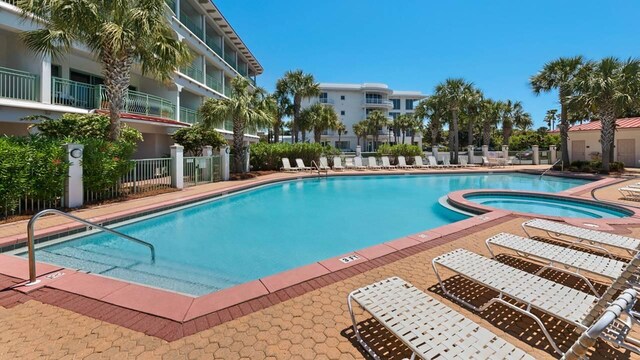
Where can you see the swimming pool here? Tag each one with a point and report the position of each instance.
(543, 205)
(241, 237)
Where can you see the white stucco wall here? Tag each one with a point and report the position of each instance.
(592, 142)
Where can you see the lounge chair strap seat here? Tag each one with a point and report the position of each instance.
(548, 296)
(595, 264)
(428, 327)
(614, 240)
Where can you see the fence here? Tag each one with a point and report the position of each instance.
(21, 85)
(201, 170)
(31, 205)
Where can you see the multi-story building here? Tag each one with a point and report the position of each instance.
(36, 85)
(353, 102)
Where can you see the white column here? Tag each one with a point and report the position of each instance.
(485, 151)
(179, 87)
(553, 154)
(505, 151)
(224, 163)
(470, 153)
(177, 175)
(207, 150)
(358, 150)
(178, 9)
(45, 80)
(536, 155)
(434, 152)
(247, 159)
(73, 186)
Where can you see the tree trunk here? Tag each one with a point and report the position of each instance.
(564, 131)
(296, 117)
(456, 138)
(607, 135)
(317, 135)
(117, 75)
(413, 137)
(403, 135)
(276, 133)
(434, 137)
(238, 145)
(486, 133)
(470, 132)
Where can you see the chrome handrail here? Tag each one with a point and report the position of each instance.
(313, 162)
(31, 247)
(552, 165)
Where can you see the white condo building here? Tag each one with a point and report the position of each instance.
(353, 102)
(36, 85)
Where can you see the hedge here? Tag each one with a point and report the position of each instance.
(266, 156)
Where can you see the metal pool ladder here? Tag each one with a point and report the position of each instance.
(551, 167)
(30, 238)
(314, 163)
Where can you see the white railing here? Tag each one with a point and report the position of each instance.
(201, 169)
(30, 204)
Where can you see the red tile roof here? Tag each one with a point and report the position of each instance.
(624, 123)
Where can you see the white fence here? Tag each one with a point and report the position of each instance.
(201, 170)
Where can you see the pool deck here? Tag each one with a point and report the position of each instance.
(300, 313)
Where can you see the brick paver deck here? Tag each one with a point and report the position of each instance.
(314, 325)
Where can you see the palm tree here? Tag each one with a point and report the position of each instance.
(490, 115)
(558, 74)
(607, 88)
(319, 118)
(247, 109)
(455, 95)
(361, 130)
(402, 124)
(551, 117)
(283, 108)
(415, 125)
(473, 109)
(120, 33)
(513, 115)
(298, 86)
(341, 129)
(376, 120)
(430, 108)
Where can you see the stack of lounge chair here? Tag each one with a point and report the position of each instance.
(431, 329)
(631, 192)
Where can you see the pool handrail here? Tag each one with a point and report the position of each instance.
(31, 247)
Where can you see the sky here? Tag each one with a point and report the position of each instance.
(415, 44)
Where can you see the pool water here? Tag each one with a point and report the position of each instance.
(546, 206)
(250, 235)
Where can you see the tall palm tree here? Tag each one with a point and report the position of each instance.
(298, 86)
(361, 130)
(490, 115)
(551, 117)
(513, 115)
(319, 118)
(119, 33)
(558, 74)
(376, 120)
(608, 88)
(283, 108)
(473, 109)
(402, 123)
(416, 125)
(430, 108)
(247, 109)
(341, 129)
(455, 94)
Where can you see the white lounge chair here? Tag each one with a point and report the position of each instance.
(402, 163)
(447, 163)
(302, 166)
(568, 304)
(490, 162)
(433, 163)
(581, 236)
(324, 164)
(630, 192)
(286, 165)
(417, 163)
(465, 163)
(386, 164)
(559, 258)
(348, 163)
(429, 328)
(357, 163)
(337, 163)
(373, 164)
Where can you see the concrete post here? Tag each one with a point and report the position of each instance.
(73, 185)
(485, 151)
(207, 150)
(505, 151)
(470, 154)
(536, 154)
(177, 174)
(45, 80)
(553, 155)
(358, 150)
(224, 163)
(247, 159)
(434, 152)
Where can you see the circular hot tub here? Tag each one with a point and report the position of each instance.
(552, 205)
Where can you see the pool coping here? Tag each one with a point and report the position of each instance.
(245, 298)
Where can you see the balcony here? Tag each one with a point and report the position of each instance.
(230, 58)
(19, 85)
(172, 5)
(195, 28)
(214, 45)
(193, 72)
(377, 103)
(189, 116)
(139, 103)
(72, 93)
(214, 83)
(326, 101)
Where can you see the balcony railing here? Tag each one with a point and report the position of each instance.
(21, 85)
(139, 103)
(191, 25)
(172, 5)
(230, 58)
(213, 83)
(213, 44)
(326, 101)
(193, 72)
(188, 115)
(72, 93)
(227, 88)
(378, 101)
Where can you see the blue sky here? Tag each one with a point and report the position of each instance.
(413, 44)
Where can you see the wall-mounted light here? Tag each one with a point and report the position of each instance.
(76, 153)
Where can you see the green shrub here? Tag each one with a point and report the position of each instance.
(269, 156)
(194, 138)
(616, 166)
(594, 166)
(32, 167)
(406, 150)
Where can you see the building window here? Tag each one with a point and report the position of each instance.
(341, 97)
(56, 71)
(409, 104)
(394, 115)
(342, 145)
(324, 98)
(373, 98)
(396, 104)
(342, 112)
